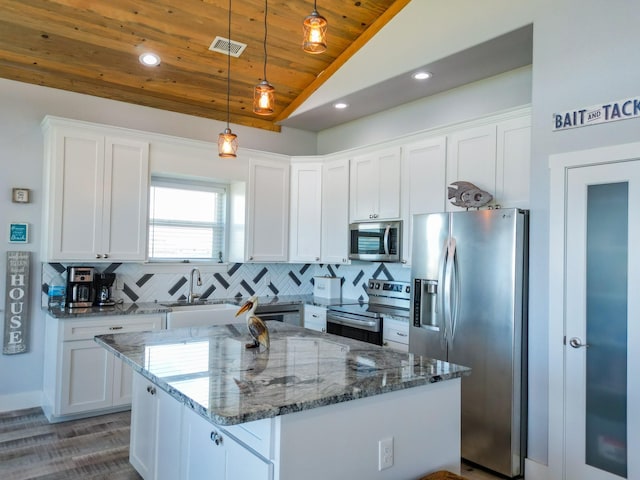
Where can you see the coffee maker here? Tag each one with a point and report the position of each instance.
(80, 289)
(103, 283)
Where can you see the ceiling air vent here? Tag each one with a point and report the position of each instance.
(221, 45)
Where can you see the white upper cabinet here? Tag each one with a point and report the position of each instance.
(335, 211)
(267, 226)
(306, 207)
(471, 157)
(495, 157)
(423, 184)
(96, 191)
(375, 186)
(513, 162)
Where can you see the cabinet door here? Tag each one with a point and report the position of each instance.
(268, 211)
(471, 157)
(126, 192)
(335, 212)
(389, 167)
(315, 318)
(375, 186)
(241, 463)
(364, 188)
(122, 383)
(76, 193)
(156, 419)
(144, 432)
(87, 377)
(306, 203)
(513, 162)
(423, 185)
(202, 458)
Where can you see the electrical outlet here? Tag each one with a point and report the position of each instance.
(385, 453)
(267, 279)
(119, 284)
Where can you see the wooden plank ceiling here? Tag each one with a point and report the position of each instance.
(92, 47)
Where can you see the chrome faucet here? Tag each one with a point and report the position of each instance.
(193, 296)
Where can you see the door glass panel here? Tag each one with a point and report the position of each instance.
(606, 368)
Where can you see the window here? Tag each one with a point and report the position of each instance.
(187, 220)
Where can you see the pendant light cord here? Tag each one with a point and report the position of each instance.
(229, 68)
(265, 40)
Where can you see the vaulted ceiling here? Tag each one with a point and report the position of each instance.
(92, 47)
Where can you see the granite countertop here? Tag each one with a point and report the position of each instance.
(166, 306)
(117, 309)
(211, 371)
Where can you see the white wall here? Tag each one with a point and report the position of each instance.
(478, 99)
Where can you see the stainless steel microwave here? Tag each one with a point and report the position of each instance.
(375, 241)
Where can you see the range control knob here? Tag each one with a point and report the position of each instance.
(370, 284)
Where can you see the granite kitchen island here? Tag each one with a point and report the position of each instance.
(314, 406)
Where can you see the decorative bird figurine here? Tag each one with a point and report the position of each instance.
(257, 328)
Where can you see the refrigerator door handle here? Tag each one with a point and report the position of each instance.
(455, 286)
(441, 296)
(449, 295)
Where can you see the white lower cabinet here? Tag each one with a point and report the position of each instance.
(154, 450)
(211, 452)
(81, 378)
(395, 334)
(315, 318)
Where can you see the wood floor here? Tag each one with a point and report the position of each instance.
(89, 449)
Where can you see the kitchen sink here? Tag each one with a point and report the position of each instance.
(201, 314)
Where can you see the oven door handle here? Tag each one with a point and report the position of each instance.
(352, 322)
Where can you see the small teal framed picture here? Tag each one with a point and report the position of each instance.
(19, 233)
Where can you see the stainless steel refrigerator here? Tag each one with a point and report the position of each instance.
(469, 306)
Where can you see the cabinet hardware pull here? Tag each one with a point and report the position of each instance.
(401, 334)
(98, 255)
(115, 328)
(216, 438)
(106, 255)
(314, 315)
(151, 390)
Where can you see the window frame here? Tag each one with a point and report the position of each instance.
(198, 184)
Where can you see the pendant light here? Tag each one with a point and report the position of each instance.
(263, 93)
(228, 141)
(315, 32)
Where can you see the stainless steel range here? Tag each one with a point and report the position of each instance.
(363, 321)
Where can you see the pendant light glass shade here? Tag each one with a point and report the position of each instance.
(264, 93)
(263, 98)
(315, 32)
(228, 141)
(227, 144)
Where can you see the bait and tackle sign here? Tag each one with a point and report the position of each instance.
(16, 316)
(595, 114)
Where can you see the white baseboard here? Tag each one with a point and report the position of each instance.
(19, 401)
(535, 471)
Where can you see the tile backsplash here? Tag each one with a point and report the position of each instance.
(144, 283)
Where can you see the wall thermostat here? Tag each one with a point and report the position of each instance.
(20, 195)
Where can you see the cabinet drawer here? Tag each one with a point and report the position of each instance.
(395, 331)
(87, 328)
(256, 435)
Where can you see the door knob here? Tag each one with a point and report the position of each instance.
(575, 342)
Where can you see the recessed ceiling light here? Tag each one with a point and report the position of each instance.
(149, 59)
(421, 75)
(340, 105)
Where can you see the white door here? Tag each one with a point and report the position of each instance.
(602, 331)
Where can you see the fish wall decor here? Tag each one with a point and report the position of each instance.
(467, 195)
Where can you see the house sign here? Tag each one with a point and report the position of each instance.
(16, 316)
(595, 114)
